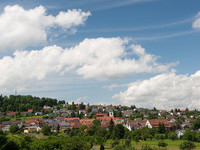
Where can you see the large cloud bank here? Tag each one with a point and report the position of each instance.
(166, 90)
(101, 58)
(20, 28)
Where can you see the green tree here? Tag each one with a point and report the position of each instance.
(46, 130)
(196, 124)
(14, 129)
(118, 132)
(10, 145)
(161, 128)
(172, 136)
(3, 140)
(189, 135)
(187, 145)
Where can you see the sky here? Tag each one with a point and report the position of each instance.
(130, 52)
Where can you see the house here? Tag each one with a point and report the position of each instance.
(135, 124)
(55, 111)
(71, 119)
(87, 122)
(82, 111)
(101, 115)
(154, 123)
(38, 114)
(94, 110)
(105, 118)
(30, 110)
(118, 121)
(6, 124)
(64, 126)
(46, 107)
(132, 125)
(105, 124)
(51, 114)
(75, 125)
(11, 114)
(31, 127)
(111, 113)
(64, 114)
(127, 113)
(179, 133)
(24, 114)
(69, 111)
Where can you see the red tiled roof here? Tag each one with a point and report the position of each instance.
(35, 120)
(75, 124)
(69, 119)
(105, 118)
(105, 124)
(96, 105)
(31, 121)
(30, 110)
(101, 115)
(87, 122)
(155, 123)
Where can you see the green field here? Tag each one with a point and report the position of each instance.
(172, 145)
(26, 118)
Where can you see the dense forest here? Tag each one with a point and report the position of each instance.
(21, 103)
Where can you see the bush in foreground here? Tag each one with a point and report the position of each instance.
(187, 145)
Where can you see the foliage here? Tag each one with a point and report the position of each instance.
(172, 136)
(119, 147)
(21, 103)
(146, 147)
(118, 132)
(4, 119)
(46, 130)
(189, 135)
(10, 145)
(162, 144)
(161, 128)
(14, 129)
(114, 143)
(196, 124)
(187, 145)
(3, 140)
(128, 142)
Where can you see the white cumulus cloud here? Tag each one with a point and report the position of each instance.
(20, 28)
(166, 90)
(101, 58)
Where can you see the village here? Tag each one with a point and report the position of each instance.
(77, 115)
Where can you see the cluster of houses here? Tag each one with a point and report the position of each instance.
(62, 120)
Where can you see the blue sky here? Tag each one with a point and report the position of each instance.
(163, 28)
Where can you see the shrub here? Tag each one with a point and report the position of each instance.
(162, 144)
(46, 130)
(3, 140)
(119, 147)
(114, 143)
(187, 145)
(128, 142)
(14, 129)
(146, 147)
